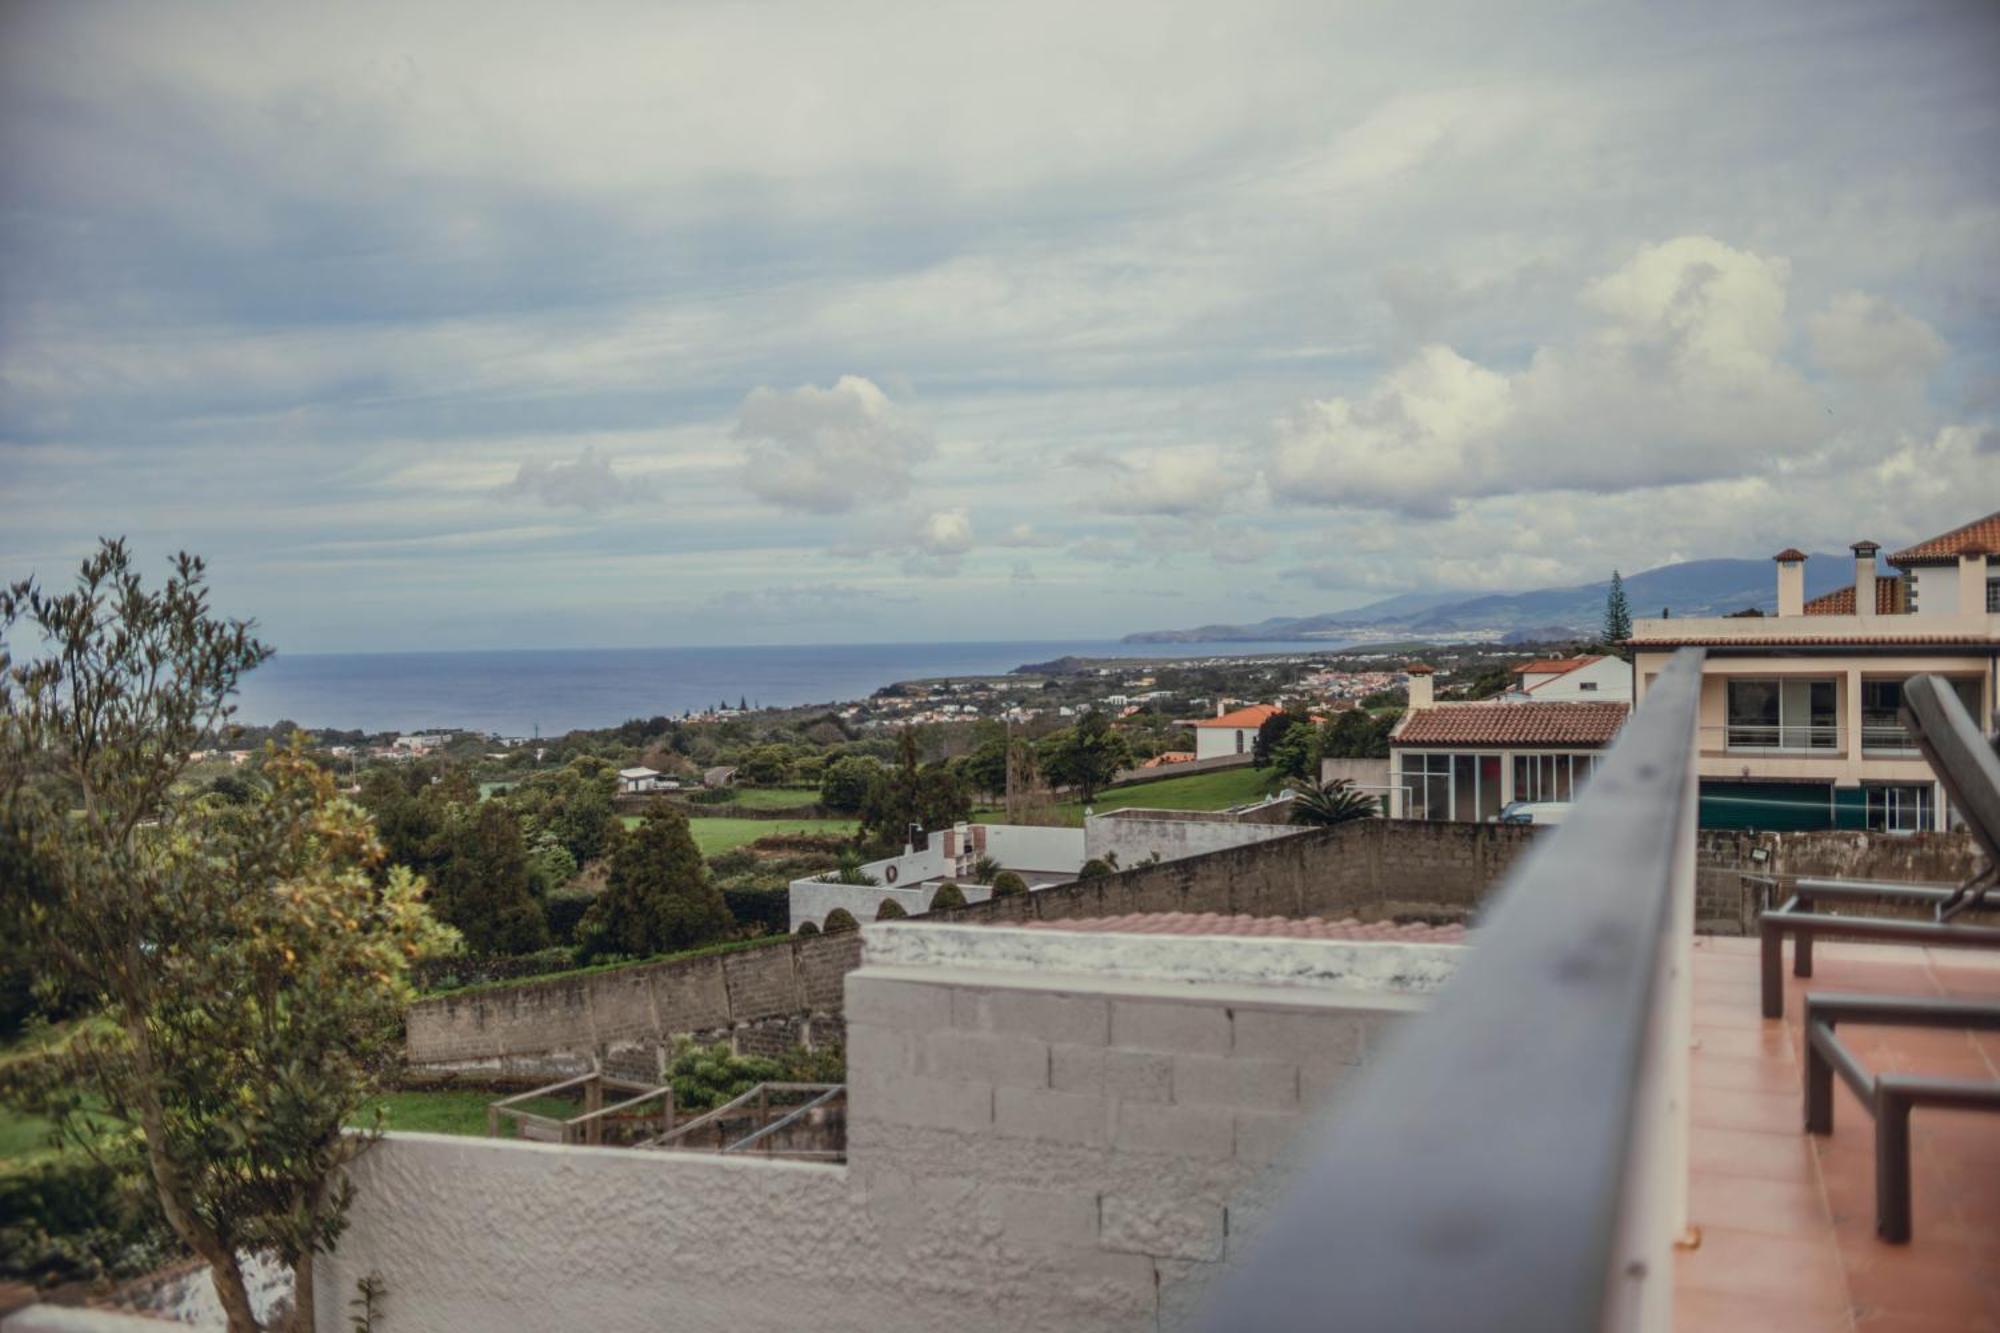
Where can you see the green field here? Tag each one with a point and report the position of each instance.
(1217, 790)
(713, 835)
(452, 1112)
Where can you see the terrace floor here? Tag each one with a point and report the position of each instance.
(1787, 1221)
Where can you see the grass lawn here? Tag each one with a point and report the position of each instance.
(713, 835)
(461, 1112)
(1216, 790)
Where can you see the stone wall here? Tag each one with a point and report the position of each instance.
(1724, 905)
(1373, 869)
(558, 1024)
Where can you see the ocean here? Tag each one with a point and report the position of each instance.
(559, 690)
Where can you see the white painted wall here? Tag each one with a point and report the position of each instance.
(1030, 847)
(1607, 680)
(1211, 742)
(1134, 838)
(812, 900)
(1029, 1148)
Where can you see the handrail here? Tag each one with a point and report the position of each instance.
(1517, 1160)
(793, 1116)
(761, 1093)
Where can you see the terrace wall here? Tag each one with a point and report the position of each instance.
(1375, 869)
(1724, 905)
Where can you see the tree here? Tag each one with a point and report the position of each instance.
(844, 786)
(1336, 802)
(484, 888)
(985, 769)
(1295, 754)
(251, 968)
(1356, 733)
(1617, 612)
(1086, 756)
(1270, 731)
(657, 895)
(926, 795)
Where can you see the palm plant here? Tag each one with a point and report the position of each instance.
(1336, 802)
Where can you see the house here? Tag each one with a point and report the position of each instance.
(1586, 679)
(1467, 761)
(1230, 732)
(633, 781)
(718, 777)
(1800, 723)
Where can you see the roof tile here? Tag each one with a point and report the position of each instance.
(1265, 927)
(1512, 724)
(1981, 536)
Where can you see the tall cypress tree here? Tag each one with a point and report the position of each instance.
(1617, 612)
(657, 895)
(484, 888)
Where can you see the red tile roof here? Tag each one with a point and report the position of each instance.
(1251, 717)
(1840, 602)
(1790, 553)
(1267, 927)
(1979, 537)
(1169, 757)
(1554, 666)
(1512, 724)
(1817, 641)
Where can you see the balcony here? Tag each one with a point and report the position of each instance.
(1886, 736)
(1767, 738)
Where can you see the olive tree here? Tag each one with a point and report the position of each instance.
(250, 966)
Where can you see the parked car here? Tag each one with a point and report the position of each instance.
(1534, 812)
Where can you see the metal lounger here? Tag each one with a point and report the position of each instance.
(1889, 1098)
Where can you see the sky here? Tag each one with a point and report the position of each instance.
(436, 326)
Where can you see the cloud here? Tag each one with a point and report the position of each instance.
(1169, 481)
(828, 451)
(946, 533)
(588, 482)
(1680, 379)
(1867, 338)
(1027, 534)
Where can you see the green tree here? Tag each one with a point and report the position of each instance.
(1295, 754)
(985, 768)
(657, 896)
(484, 888)
(1617, 612)
(252, 969)
(844, 786)
(1355, 733)
(1270, 731)
(926, 795)
(1086, 756)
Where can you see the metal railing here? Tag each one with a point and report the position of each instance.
(794, 1120)
(1775, 738)
(1886, 735)
(598, 1124)
(1517, 1159)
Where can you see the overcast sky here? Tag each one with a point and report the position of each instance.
(496, 326)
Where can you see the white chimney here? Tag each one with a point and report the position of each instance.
(1972, 583)
(1221, 707)
(1422, 692)
(1791, 582)
(1864, 578)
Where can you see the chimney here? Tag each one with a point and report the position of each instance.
(1422, 692)
(1221, 707)
(1791, 581)
(1972, 582)
(1864, 579)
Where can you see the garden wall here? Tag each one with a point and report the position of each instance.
(1724, 905)
(791, 987)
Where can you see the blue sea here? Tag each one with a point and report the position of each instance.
(559, 690)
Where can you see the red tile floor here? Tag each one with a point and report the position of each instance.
(1787, 1221)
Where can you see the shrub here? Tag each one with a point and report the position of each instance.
(769, 908)
(1007, 884)
(704, 1077)
(807, 928)
(948, 895)
(890, 910)
(71, 1218)
(840, 919)
(712, 796)
(1094, 869)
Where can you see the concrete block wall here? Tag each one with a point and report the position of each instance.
(1133, 835)
(1724, 906)
(1140, 1127)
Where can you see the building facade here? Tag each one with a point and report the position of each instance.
(1800, 724)
(1229, 733)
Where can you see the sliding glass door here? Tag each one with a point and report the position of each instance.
(1793, 713)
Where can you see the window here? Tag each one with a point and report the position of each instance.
(1239, 742)
(1586, 685)
(1787, 713)
(1881, 714)
(1899, 809)
(1427, 778)
(1551, 777)
(1463, 787)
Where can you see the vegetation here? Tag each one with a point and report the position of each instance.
(1007, 884)
(1093, 869)
(252, 966)
(1086, 756)
(657, 895)
(840, 919)
(910, 793)
(1336, 802)
(1617, 612)
(890, 910)
(948, 895)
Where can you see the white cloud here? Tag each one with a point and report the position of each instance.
(827, 451)
(1867, 338)
(1680, 380)
(946, 533)
(1170, 481)
(588, 482)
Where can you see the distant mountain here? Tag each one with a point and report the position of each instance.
(1691, 588)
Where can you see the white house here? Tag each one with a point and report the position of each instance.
(633, 781)
(1466, 761)
(1587, 679)
(1230, 732)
